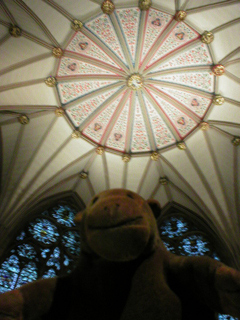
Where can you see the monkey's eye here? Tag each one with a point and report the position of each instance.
(94, 200)
(129, 195)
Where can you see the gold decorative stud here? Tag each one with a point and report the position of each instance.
(100, 150)
(180, 15)
(207, 37)
(126, 157)
(135, 81)
(218, 100)
(76, 25)
(76, 134)
(145, 5)
(181, 145)
(15, 31)
(108, 7)
(51, 81)
(163, 181)
(204, 126)
(23, 119)
(83, 174)
(57, 52)
(155, 156)
(218, 69)
(236, 141)
(59, 112)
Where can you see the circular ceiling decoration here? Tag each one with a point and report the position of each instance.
(135, 81)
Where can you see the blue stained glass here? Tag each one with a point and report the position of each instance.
(215, 256)
(44, 253)
(21, 236)
(28, 274)
(44, 231)
(71, 241)
(27, 251)
(55, 259)
(169, 246)
(64, 215)
(51, 273)
(194, 245)
(9, 273)
(174, 227)
(226, 317)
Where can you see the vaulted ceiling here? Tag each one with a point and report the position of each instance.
(147, 100)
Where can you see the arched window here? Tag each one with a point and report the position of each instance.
(48, 246)
(184, 236)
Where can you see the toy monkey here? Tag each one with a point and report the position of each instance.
(125, 273)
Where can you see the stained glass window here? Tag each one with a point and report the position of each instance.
(48, 246)
(182, 237)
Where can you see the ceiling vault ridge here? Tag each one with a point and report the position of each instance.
(59, 8)
(79, 57)
(30, 162)
(236, 187)
(211, 6)
(146, 120)
(144, 175)
(157, 43)
(105, 48)
(205, 209)
(115, 115)
(232, 76)
(25, 190)
(208, 188)
(122, 41)
(229, 56)
(106, 171)
(218, 173)
(7, 12)
(162, 114)
(26, 62)
(3, 198)
(4, 39)
(23, 6)
(103, 106)
(172, 55)
(225, 25)
(21, 84)
(221, 131)
(62, 170)
(231, 62)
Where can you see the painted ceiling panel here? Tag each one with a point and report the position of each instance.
(84, 46)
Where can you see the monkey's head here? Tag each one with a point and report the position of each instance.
(119, 225)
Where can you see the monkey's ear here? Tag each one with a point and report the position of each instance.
(155, 206)
(78, 217)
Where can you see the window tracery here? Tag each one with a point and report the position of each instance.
(48, 246)
(182, 237)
